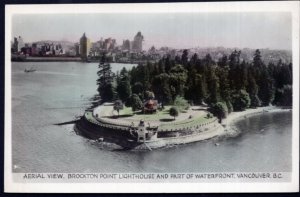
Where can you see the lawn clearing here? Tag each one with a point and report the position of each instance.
(189, 118)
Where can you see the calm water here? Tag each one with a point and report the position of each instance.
(57, 92)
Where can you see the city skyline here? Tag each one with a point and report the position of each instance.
(177, 30)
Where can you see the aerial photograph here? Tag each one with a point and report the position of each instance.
(151, 92)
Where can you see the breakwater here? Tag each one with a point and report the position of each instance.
(128, 136)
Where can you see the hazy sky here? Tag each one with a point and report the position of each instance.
(181, 30)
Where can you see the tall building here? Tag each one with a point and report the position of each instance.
(126, 45)
(109, 44)
(85, 46)
(18, 44)
(137, 45)
(77, 49)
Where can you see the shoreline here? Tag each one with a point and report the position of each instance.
(216, 130)
(225, 129)
(70, 59)
(229, 123)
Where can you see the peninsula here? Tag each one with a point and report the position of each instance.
(147, 131)
(182, 100)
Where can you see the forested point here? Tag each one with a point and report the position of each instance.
(229, 84)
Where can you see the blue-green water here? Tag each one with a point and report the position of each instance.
(59, 91)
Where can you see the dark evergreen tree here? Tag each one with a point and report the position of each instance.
(266, 87)
(178, 78)
(105, 81)
(284, 96)
(161, 88)
(168, 63)
(257, 61)
(223, 74)
(213, 86)
(149, 95)
(194, 59)
(237, 84)
(177, 59)
(220, 110)
(136, 102)
(174, 112)
(240, 100)
(137, 88)
(252, 89)
(184, 58)
(242, 77)
(223, 62)
(123, 85)
(234, 62)
(196, 88)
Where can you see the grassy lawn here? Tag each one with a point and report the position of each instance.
(126, 111)
(155, 116)
(164, 114)
(186, 123)
(163, 117)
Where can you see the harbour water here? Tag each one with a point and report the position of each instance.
(59, 91)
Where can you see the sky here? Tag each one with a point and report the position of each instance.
(178, 30)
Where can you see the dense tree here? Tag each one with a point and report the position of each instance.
(184, 57)
(181, 104)
(136, 102)
(231, 80)
(161, 88)
(194, 59)
(252, 89)
(233, 76)
(208, 61)
(257, 61)
(223, 73)
(178, 78)
(284, 96)
(177, 59)
(174, 112)
(242, 76)
(282, 74)
(141, 74)
(105, 81)
(168, 63)
(149, 95)
(240, 100)
(196, 88)
(266, 87)
(213, 86)
(223, 62)
(220, 110)
(123, 85)
(137, 88)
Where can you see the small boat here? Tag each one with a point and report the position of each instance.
(29, 70)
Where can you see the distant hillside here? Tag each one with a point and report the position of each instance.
(268, 55)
